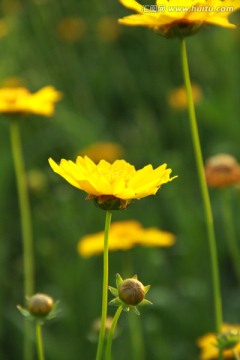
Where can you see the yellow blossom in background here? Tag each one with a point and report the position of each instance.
(20, 101)
(107, 29)
(177, 98)
(208, 343)
(12, 82)
(124, 235)
(222, 170)
(103, 150)
(3, 28)
(168, 15)
(72, 29)
(106, 182)
(36, 180)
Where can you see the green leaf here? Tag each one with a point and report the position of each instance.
(135, 309)
(113, 291)
(115, 302)
(119, 280)
(145, 302)
(146, 288)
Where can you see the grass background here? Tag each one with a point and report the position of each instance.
(115, 83)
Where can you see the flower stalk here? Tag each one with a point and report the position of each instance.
(111, 333)
(39, 341)
(204, 191)
(105, 287)
(26, 227)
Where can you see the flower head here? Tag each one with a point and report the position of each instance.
(20, 101)
(173, 19)
(222, 170)
(124, 235)
(40, 304)
(129, 293)
(72, 29)
(228, 340)
(112, 186)
(177, 97)
(102, 150)
(40, 307)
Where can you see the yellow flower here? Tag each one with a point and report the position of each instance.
(72, 29)
(177, 98)
(172, 18)
(208, 344)
(3, 28)
(20, 101)
(107, 29)
(112, 184)
(222, 170)
(124, 235)
(102, 150)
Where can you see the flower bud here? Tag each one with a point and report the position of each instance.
(40, 304)
(222, 170)
(228, 340)
(131, 291)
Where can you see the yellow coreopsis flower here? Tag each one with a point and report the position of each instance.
(112, 185)
(124, 235)
(209, 343)
(103, 150)
(175, 18)
(177, 97)
(20, 101)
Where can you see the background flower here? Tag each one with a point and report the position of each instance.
(124, 235)
(207, 344)
(20, 101)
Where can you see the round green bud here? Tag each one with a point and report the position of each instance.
(131, 291)
(40, 304)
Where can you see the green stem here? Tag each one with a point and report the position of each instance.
(230, 231)
(26, 228)
(24, 208)
(39, 341)
(111, 333)
(204, 191)
(105, 287)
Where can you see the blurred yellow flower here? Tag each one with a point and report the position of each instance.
(12, 82)
(222, 170)
(3, 28)
(207, 344)
(171, 15)
(107, 182)
(103, 150)
(177, 98)
(20, 101)
(72, 29)
(107, 29)
(124, 235)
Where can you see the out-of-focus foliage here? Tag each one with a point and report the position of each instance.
(115, 82)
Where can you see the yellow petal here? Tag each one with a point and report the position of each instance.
(132, 4)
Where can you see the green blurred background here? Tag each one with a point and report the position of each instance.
(115, 82)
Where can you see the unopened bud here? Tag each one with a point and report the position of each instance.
(222, 170)
(40, 305)
(131, 291)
